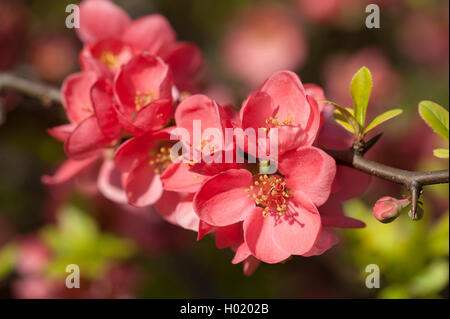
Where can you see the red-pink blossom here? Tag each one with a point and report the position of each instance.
(111, 39)
(282, 103)
(279, 213)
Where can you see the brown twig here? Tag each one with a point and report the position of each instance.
(47, 94)
(353, 157)
(413, 181)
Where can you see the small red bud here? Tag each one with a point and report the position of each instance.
(387, 208)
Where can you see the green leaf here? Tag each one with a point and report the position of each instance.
(340, 119)
(347, 117)
(441, 152)
(360, 88)
(383, 118)
(435, 116)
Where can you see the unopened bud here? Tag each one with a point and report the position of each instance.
(387, 208)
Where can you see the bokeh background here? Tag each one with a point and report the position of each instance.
(126, 252)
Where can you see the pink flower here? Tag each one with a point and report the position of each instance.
(265, 39)
(111, 39)
(283, 103)
(279, 213)
(147, 166)
(143, 91)
(387, 208)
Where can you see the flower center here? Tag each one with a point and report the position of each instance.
(160, 158)
(270, 193)
(110, 60)
(142, 99)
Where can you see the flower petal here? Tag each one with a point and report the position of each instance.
(310, 170)
(143, 186)
(62, 132)
(177, 208)
(288, 94)
(101, 96)
(222, 199)
(185, 59)
(298, 229)
(110, 183)
(258, 234)
(86, 140)
(131, 151)
(101, 19)
(327, 239)
(142, 80)
(151, 33)
(68, 170)
(178, 178)
(75, 95)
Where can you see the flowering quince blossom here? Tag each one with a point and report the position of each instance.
(279, 212)
(111, 39)
(283, 103)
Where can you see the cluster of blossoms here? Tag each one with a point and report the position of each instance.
(137, 91)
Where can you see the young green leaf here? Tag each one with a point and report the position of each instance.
(360, 88)
(340, 119)
(441, 152)
(435, 116)
(383, 118)
(347, 117)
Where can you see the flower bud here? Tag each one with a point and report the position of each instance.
(387, 208)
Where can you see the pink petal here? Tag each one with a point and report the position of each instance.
(258, 234)
(184, 59)
(229, 236)
(316, 92)
(288, 94)
(112, 53)
(101, 96)
(222, 199)
(242, 253)
(143, 186)
(153, 117)
(62, 132)
(204, 229)
(151, 33)
(298, 229)
(75, 95)
(68, 170)
(101, 19)
(145, 76)
(309, 170)
(256, 110)
(313, 124)
(110, 183)
(250, 265)
(178, 178)
(327, 239)
(90, 63)
(177, 208)
(198, 107)
(87, 139)
(132, 150)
